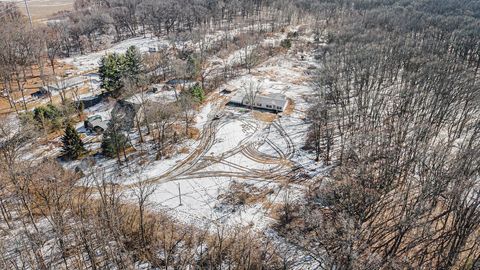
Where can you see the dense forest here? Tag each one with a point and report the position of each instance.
(398, 115)
(395, 120)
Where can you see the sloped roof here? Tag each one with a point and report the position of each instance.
(270, 99)
(65, 83)
(124, 112)
(238, 98)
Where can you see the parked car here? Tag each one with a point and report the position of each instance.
(95, 124)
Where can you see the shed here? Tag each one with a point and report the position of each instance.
(40, 93)
(89, 101)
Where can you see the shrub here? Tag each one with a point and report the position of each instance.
(49, 112)
(286, 43)
(197, 93)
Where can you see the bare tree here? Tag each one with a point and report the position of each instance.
(163, 117)
(251, 89)
(142, 190)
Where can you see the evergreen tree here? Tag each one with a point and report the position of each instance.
(113, 143)
(111, 71)
(286, 43)
(72, 144)
(132, 63)
(115, 67)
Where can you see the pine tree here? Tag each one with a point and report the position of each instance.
(113, 143)
(72, 144)
(115, 67)
(111, 72)
(132, 63)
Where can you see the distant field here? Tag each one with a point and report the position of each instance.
(42, 9)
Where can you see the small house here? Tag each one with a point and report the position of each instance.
(125, 115)
(89, 101)
(181, 82)
(226, 91)
(271, 102)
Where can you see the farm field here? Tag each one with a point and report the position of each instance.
(41, 10)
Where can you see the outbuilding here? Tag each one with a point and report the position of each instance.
(64, 84)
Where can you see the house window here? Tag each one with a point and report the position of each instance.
(259, 104)
(269, 106)
(278, 107)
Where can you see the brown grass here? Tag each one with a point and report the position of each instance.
(184, 150)
(193, 133)
(290, 107)
(265, 116)
(32, 85)
(42, 10)
(244, 194)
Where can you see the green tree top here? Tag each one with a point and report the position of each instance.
(72, 144)
(115, 67)
(133, 62)
(111, 71)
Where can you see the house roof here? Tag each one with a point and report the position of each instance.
(99, 123)
(272, 99)
(124, 112)
(278, 100)
(65, 83)
(238, 98)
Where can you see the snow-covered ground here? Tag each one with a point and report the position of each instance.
(91, 61)
(227, 159)
(238, 147)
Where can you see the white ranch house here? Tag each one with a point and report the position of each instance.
(272, 102)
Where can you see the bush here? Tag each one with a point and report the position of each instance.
(49, 112)
(292, 34)
(197, 93)
(286, 43)
(48, 117)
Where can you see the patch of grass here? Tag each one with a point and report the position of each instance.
(193, 133)
(265, 116)
(290, 107)
(244, 194)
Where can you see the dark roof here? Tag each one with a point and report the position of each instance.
(90, 101)
(124, 114)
